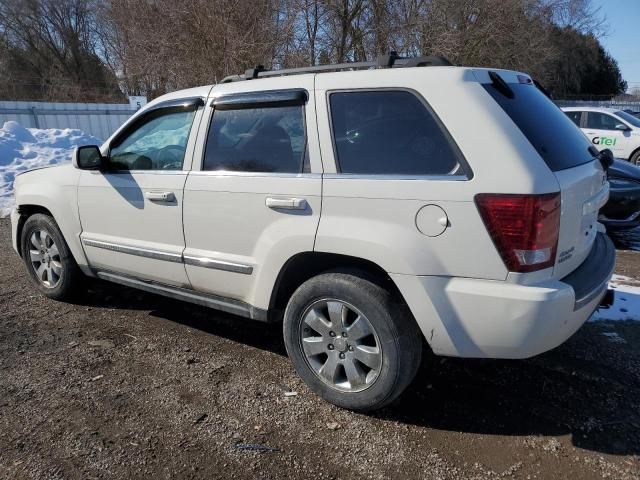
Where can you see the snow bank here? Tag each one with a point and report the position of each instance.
(22, 149)
(626, 305)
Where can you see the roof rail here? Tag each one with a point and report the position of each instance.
(391, 60)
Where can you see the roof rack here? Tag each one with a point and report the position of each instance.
(391, 60)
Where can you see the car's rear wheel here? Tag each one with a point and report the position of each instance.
(635, 158)
(49, 262)
(351, 341)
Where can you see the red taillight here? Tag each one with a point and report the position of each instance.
(524, 228)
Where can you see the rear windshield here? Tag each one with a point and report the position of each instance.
(558, 140)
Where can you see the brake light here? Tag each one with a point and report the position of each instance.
(524, 228)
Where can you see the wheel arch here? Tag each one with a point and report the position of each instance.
(305, 265)
(25, 212)
(637, 150)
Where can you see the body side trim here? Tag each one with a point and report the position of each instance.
(130, 250)
(197, 261)
(217, 264)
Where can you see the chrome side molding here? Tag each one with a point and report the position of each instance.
(130, 250)
(205, 262)
(217, 264)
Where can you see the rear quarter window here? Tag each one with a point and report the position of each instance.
(390, 132)
(558, 140)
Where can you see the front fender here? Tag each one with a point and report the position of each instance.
(55, 189)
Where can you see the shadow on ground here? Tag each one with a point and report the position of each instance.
(588, 388)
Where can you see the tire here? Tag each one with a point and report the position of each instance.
(331, 303)
(635, 158)
(49, 261)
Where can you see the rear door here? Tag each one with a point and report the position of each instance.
(253, 199)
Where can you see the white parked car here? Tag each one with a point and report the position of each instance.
(376, 212)
(610, 128)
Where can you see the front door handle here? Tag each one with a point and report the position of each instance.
(161, 196)
(286, 203)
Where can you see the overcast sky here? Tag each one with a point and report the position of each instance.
(623, 37)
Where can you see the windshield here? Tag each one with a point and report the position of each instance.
(558, 140)
(627, 117)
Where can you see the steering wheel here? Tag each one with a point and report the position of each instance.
(175, 154)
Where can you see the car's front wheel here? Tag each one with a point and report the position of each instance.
(351, 341)
(49, 261)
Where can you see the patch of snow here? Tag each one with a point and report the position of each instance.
(614, 337)
(22, 149)
(626, 305)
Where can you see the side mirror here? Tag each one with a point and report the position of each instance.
(622, 126)
(88, 157)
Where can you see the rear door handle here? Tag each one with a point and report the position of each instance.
(161, 196)
(286, 203)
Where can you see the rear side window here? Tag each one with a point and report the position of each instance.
(389, 132)
(555, 137)
(574, 117)
(270, 139)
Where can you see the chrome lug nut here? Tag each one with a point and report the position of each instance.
(332, 333)
(330, 347)
(342, 355)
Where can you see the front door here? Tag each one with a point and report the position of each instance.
(254, 200)
(131, 211)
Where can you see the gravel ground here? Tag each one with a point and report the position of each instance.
(130, 385)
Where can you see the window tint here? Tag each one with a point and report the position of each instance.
(389, 132)
(257, 140)
(159, 143)
(575, 117)
(556, 138)
(601, 121)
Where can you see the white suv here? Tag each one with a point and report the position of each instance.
(374, 211)
(609, 128)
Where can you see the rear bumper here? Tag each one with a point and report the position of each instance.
(493, 319)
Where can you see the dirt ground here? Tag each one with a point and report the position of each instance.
(131, 385)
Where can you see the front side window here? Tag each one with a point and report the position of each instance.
(158, 143)
(575, 117)
(267, 140)
(389, 132)
(601, 121)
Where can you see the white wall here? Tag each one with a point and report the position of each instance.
(97, 119)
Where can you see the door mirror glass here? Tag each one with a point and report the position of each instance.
(87, 157)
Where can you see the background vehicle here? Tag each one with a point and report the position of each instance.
(341, 203)
(622, 211)
(609, 128)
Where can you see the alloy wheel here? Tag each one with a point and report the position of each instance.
(340, 345)
(45, 258)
